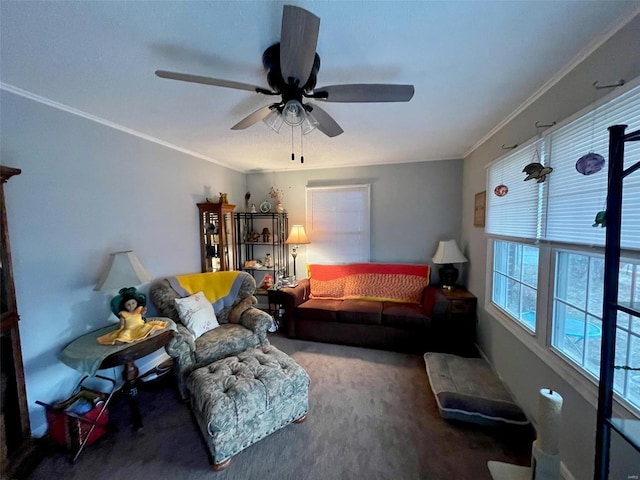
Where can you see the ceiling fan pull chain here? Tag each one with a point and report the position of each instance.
(301, 146)
(293, 157)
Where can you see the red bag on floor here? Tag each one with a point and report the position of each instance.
(71, 420)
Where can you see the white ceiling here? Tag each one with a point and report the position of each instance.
(473, 63)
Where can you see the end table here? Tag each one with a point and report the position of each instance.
(86, 355)
(457, 326)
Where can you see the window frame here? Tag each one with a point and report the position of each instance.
(317, 238)
(539, 342)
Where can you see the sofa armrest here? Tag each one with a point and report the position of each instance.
(440, 305)
(431, 301)
(182, 349)
(294, 296)
(258, 322)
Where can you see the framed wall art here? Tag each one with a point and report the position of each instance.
(478, 209)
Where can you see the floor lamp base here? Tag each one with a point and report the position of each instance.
(294, 254)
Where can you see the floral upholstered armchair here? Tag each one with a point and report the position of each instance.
(214, 315)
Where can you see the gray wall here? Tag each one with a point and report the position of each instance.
(413, 205)
(618, 58)
(87, 190)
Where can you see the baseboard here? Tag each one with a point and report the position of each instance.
(565, 473)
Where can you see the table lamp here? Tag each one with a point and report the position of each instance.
(447, 254)
(124, 270)
(297, 237)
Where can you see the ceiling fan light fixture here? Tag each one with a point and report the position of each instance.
(309, 124)
(293, 113)
(274, 120)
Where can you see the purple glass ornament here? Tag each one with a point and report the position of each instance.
(590, 163)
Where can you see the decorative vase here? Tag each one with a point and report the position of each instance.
(279, 208)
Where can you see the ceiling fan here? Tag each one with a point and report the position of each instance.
(292, 67)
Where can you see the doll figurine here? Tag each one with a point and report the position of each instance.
(130, 306)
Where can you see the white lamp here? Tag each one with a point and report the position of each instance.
(124, 270)
(447, 254)
(297, 236)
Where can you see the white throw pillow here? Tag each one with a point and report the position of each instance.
(196, 313)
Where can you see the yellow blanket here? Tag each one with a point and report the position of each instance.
(220, 288)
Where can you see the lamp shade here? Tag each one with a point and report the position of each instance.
(297, 236)
(448, 252)
(124, 270)
(294, 114)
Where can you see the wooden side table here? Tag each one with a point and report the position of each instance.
(127, 357)
(276, 299)
(457, 326)
(86, 355)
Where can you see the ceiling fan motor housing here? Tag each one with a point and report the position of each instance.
(271, 63)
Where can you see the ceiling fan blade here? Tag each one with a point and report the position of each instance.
(298, 41)
(326, 123)
(364, 92)
(186, 77)
(254, 118)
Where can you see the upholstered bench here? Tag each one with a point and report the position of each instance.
(467, 390)
(239, 400)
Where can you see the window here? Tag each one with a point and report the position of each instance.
(577, 305)
(547, 251)
(338, 224)
(515, 279)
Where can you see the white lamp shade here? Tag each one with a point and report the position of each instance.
(124, 270)
(297, 236)
(448, 252)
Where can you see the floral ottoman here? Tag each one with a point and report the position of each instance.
(241, 399)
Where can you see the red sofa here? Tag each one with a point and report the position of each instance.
(386, 306)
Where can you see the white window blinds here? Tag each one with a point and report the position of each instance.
(564, 207)
(575, 199)
(338, 224)
(516, 213)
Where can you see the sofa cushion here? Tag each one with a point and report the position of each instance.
(360, 311)
(196, 313)
(319, 309)
(390, 287)
(332, 289)
(466, 389)
(404, 315)
(369, 281)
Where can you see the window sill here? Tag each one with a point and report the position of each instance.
(582, 383)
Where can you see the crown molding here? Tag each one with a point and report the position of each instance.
(582, 55)
(79, 113)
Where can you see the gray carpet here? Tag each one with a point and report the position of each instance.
(371, 415)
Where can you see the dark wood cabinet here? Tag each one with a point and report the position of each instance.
(456, 323)
(217, 237)
(15, 431)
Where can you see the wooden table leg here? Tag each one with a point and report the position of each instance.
(130, 374)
